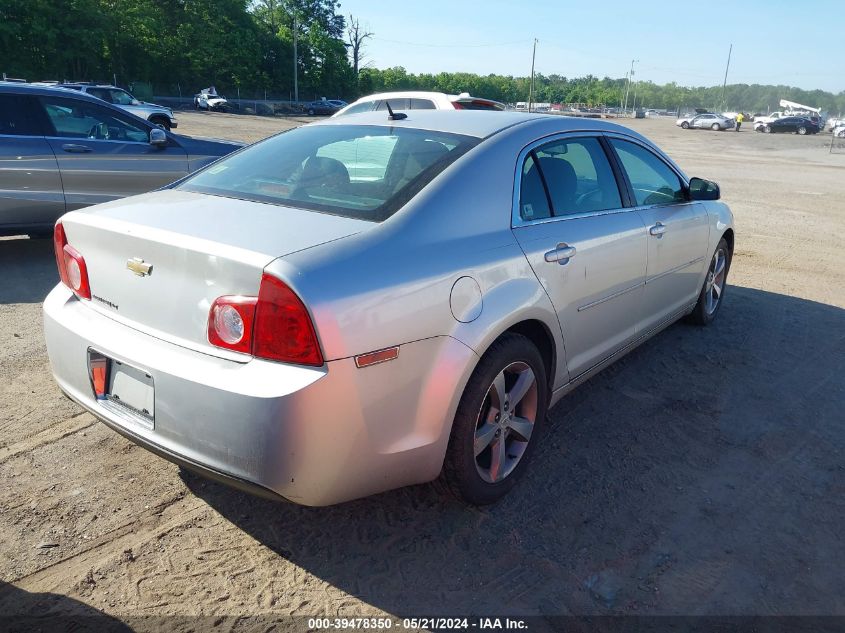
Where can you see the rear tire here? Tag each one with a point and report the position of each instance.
(713, 290)
(802, 130)
(505, 399)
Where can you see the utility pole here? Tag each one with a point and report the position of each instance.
(725, 82)
(531, 89)
(628, 87)
(295, 61)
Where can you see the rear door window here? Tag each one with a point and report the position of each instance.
(578, 176)
(16, 117)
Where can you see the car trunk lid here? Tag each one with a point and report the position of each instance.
(157, 262)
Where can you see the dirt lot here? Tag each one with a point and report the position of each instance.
(702, 474)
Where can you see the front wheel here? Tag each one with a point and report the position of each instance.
(802, 130)
(716, 127)
(713, 290)
(767, 129)
(498, 422)
(685, 125)
(162, 123)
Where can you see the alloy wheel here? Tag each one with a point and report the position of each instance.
(505, 422)
(715, 284)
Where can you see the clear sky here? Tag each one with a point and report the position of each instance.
(774, 42)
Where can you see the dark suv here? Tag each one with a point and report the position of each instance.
(61, 150)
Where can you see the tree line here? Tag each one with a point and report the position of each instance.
(247, 46)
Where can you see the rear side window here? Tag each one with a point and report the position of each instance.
(652, 180)
(421, 104)
(395, 104)
(360, 107)
(366, 172)
(533, 200)
(15, 117)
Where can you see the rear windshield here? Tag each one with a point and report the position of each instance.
(364, 172)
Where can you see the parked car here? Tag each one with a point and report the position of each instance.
(839, 130)
(792, 124)
(324, 106)
(208, 99)
(62, 150)
(156, 114)
(380, 299)
(417, 100)
(834, 122)
(708, 121)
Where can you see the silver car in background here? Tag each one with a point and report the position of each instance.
(152, 112)
(707, 121)
(61, 150)
(370, 301)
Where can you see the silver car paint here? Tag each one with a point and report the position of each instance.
(320, 436)
(30, 184)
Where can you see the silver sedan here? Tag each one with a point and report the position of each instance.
(706, 121)
(370, 301)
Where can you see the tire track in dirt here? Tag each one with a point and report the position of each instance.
(152, 524)
(52, 433)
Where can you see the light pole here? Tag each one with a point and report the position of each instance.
(628, 87)
(531, 89)
(295, 62)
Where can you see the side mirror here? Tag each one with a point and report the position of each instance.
(700, 189)
(158, 137)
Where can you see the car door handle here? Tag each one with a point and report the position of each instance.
(658, 229)
(76, 149)
(561, 254)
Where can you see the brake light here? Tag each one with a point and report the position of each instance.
(274, 326)
(283, 330)
(72, 268)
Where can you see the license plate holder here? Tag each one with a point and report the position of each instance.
(122, 388)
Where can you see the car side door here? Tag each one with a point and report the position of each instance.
(676, 229)
(104, 153)
(31, 192)
(587, 249)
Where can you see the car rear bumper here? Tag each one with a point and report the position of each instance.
(314, 436)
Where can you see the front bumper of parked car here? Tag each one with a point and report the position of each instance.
(314, 436)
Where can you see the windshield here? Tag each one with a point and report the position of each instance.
(364, 172)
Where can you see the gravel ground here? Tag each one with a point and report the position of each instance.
(703, 474)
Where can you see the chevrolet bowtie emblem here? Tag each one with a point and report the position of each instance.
(139, 266)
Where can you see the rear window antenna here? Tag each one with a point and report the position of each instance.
(394, 116)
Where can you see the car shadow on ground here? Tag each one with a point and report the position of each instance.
(29, 270)
(701, 474)
(24, 611)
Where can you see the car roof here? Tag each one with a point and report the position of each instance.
(7, 87)
(477, 123)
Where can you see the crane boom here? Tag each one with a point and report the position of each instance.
(791, 105)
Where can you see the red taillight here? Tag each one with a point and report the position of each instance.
(274, 326)
(230, 323)
(283, 330)
(72, 268)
